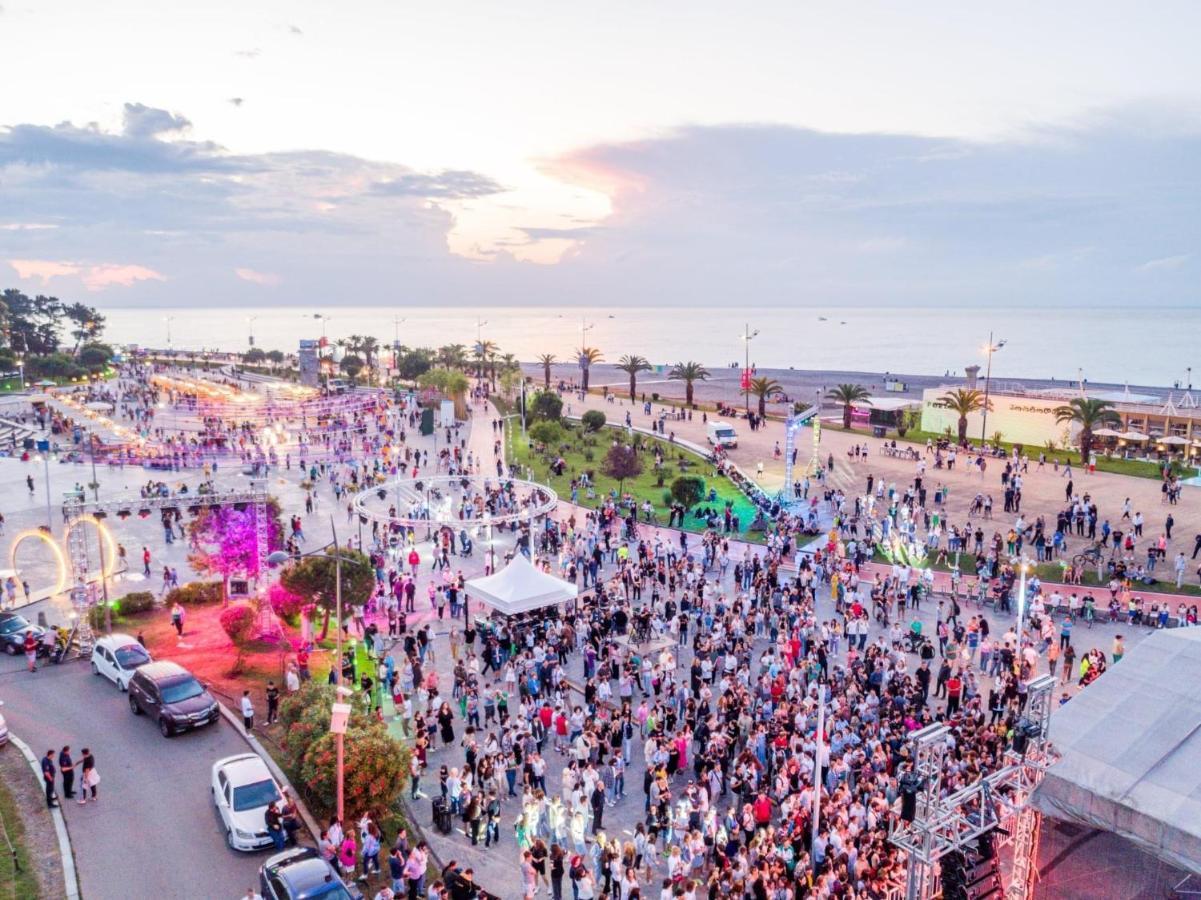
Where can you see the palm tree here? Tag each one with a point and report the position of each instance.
(848, 395)
(963, 401)
(1089, 414)
(482, 351)
(588, 356)
(547, 360)
(452, 356)
(764, 388)
(689, 373)
(632, 365)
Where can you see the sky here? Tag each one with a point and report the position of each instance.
(626, 153)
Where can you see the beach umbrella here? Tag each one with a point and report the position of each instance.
(1173, 440)
(1106, 432)
(1135, 436)
(45, 383)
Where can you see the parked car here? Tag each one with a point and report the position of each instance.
(242, 790)
(172, 695)
(301, 874)
(117, 657)
(3, 729)
(13, 628)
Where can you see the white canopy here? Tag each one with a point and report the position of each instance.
(1173, 440)
(1135, 436)
(1106, 432)
(1131, 745)
(519, 587)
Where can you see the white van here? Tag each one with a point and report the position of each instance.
(721, 435)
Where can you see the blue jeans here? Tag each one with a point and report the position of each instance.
(278, 838)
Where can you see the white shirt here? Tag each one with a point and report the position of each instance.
(247, 708)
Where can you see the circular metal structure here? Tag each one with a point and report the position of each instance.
(442, 500)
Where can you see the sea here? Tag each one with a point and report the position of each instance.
(1145, 346)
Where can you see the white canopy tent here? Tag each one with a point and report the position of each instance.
(1131, 746)
(520, 587)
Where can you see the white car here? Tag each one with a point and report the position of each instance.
(117, 657)
(243, 789)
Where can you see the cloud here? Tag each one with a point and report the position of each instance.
(236, 101)
(27, 226)
(93, 277)
(448, 184)
(146, 121)
(267, 279)
(295, 29)
(1165, 262)
(249, 53)
(557, 234)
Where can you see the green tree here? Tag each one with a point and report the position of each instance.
(95, 356)
(314, 578)
(847, 395)
(254, 356)
(688, 490)
(352, 365)
(593, 420)
(87, 323)
(764, 388)
(451, 384)
(963, 402)
(632, 365)
(275, 356)
(621, 462)
(547, 360)
(237, 621)
(546, 405)
(452, 356)
(1090, 415)
(587, 358)
(548, 432)
(483, 351)
(689, 373)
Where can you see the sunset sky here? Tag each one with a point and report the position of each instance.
(627, 153)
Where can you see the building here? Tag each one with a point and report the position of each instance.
(1027, 416)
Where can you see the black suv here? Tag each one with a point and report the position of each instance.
(13, 628)
(171, 694)
(301, 874)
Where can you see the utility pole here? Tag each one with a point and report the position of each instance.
(747, 337)
(990, 350)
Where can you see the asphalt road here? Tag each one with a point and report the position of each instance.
(154, 833)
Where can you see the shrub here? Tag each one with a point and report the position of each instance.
(376, 769)
(688, 490)
(237, 621)
(284, 602)
(593, 420)
(195, 593)
(547, 432)
(133, 603)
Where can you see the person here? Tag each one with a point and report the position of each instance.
(272, 702)
(247, 711)
(91, 778)
(177, 614)
(67, 767)
(31, 651)
(275, 825)
(252, 894)
(48, 776)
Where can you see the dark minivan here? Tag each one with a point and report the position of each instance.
(171, 694)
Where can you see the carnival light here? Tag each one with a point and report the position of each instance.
(103, 533)
(59, 556)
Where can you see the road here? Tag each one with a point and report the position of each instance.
(154, 832)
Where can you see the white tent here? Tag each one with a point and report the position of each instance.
(519, 587)
(1131, 750)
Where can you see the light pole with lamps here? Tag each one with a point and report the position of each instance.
(340, 711)
(747, 337)
(250, 328)
(169, 320)
(990, 350)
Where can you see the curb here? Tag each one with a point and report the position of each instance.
(276, 772)
(70, 879)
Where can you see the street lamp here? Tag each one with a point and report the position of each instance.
(337, 723)
(747, 337)
(990, 349)
(169, 320)
(250, 328)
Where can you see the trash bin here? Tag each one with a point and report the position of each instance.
(443, 820)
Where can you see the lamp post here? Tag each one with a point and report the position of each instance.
(250, 328)
(168, 320)
(990, 350)
(338, 721)
(747, 337)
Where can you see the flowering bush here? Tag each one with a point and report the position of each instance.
(237, 622)
(376, 765)
(285, 603)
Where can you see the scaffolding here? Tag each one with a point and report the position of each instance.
(942, 825)
(80, 564)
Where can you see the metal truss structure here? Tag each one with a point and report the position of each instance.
(80, 558)
(943, 825)
(791, 428)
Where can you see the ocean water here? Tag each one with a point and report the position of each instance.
(1148, 346)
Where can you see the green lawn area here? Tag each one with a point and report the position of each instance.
(578, 446)
(1133, 467)
(1054, 572)
(16, 885)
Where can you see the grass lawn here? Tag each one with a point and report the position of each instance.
(1053, 572)
(21, 885)
(643, 487)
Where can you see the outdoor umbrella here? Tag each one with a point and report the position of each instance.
(1135, 436)
(1173, 440)
(1106, 432)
